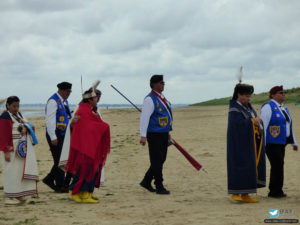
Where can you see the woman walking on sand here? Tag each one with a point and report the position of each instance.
(20, 171)
(246, 166)
(90, 145)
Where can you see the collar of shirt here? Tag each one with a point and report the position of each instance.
(161, 95)
(277, 103)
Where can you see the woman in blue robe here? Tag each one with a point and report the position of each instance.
(246, 167)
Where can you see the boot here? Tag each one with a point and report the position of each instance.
(92, 196)
(50, 183)
(22, 200)
(161, 190)
(11, 201)
(77, 198)
(86, 198)
(147, 185)
(246, 198)
(236, 197)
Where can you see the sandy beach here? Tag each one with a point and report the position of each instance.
(196, 197)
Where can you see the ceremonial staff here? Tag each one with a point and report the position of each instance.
(193, 161)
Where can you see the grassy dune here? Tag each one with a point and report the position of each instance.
(293, 96)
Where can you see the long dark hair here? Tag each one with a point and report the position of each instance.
(10, 100)
(242, 89)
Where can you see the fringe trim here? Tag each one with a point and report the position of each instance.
(31, 177)
(246, 191)
(21, 194)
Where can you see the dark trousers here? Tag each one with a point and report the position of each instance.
(158, 146)
(276, 153)
(56, 174)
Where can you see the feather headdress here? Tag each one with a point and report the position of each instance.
(2, 101)
(93, 93)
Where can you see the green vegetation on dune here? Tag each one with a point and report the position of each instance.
(293, 96)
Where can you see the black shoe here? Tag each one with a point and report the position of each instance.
(162, 191)
(49, 183)
(62, 190)
(147, 186)
(277, 195)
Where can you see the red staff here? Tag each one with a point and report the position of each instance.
(190, 158)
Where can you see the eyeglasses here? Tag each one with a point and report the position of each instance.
(162, 82)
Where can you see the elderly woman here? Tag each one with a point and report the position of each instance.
(20, 172)
(245, 150)
(90, 145)
(279, 132)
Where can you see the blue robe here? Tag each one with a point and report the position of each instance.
(246, 165)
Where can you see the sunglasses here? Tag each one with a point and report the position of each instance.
(282, 92)
(162, 82)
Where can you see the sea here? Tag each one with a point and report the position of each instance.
(38, 110)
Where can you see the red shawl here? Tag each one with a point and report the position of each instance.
(90, 144)
(6, 126)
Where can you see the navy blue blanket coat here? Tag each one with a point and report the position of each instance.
(244, 176)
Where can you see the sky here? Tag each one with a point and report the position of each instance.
(198, 45)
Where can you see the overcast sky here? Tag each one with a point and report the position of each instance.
(198, 45)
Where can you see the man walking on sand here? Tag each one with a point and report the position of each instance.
(58, 115)
(155, 125)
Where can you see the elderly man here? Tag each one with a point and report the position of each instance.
(155, 125)
(278, 132)
(58, 115)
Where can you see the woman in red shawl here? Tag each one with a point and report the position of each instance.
(90, 145)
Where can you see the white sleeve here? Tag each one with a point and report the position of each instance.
(295, 142)
(147, 110)
(265, 115)
(51, 118)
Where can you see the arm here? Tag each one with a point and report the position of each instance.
(265, 114)
(6, 143)
(295, 145)
(148, 109)
(51, 120)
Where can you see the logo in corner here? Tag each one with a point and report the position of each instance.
(273, 213)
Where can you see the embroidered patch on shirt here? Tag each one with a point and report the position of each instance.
(61, 119)
(274, 131)
(163, 121)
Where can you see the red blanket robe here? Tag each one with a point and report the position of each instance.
(6, 139)
(90, 145)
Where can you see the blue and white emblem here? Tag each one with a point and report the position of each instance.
(22, 149)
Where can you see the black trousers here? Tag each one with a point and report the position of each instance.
(56, 174)
(158, 146)
(276, 153)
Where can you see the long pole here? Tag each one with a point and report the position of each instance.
(126, 98)
(193, 161)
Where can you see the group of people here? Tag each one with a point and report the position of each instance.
(250, 138)
(86, 149)
(80, 144)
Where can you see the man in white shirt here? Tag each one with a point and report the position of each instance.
(278, 130)
(155, 125)
(58, 115)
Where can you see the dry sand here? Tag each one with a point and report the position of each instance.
(196, 197)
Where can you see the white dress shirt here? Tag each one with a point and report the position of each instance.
(51, 109)
(266, 114)
(147, 110)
